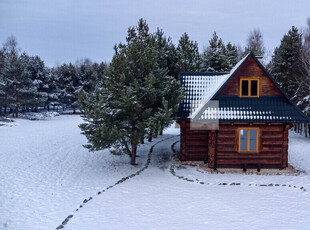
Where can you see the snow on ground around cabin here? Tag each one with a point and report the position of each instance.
(46, 174)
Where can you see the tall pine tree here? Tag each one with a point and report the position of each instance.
(286, 65)
(217, 57)
(135, 92)
(187, 53)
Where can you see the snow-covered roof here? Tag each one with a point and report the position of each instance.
(206, 86)
(201, 87)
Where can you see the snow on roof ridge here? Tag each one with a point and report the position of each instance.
(239, 63)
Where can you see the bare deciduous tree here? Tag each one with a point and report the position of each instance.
(255, 43)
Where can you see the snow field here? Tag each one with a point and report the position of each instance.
(45, 174)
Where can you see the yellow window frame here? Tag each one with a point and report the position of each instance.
(248, 139)
(249, 86)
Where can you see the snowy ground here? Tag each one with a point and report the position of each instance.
(46, 174)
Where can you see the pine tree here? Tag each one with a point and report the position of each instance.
(214, 58)
(53, 91)
(69, 85)
(285, 64)
(37, 72)
(217, 57)
(231, 56)
(168, 57)
(2, 83)
(187, 53)
(27, 84)
(90, 74)
(303, 91)
(119, 114)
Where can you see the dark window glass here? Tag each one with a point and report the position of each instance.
(253, 139)
(245, 88)
(243, 139)
(254, 88)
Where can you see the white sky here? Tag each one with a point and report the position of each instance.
(65, 30)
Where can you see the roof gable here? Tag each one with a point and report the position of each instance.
(251, 68)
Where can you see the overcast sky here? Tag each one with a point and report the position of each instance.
(65, 30)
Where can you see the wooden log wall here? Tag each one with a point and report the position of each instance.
(194, 143)
(211, 152)
(199, 145)
(271, 151)
(285, 146)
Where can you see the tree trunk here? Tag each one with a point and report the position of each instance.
(161, 132)
(74, 110)
(150, 137)
(126, 147)
(133, 154)
(48, 107)
(16, 112)
(142, 140)
(133, 144)
(5, 109)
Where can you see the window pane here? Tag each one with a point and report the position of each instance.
(253, 139)
(254, 88)
(245, 88)
(243, 139)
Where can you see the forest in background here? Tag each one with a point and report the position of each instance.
(27, 84)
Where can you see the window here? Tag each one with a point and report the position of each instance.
(248, 140)
(249, 87)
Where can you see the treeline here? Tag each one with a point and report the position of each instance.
(27, 84)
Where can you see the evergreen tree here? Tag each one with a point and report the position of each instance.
(2, 82)
(134, 93)
(303, 91)
(214, 58)
(285, 64)
(27, 84)
(35, 69)
(11, 75)
(53, 92)
(168, 57)
(187, 53)
(232, 56)
(90, 74)
(69, 85)
(217, 57)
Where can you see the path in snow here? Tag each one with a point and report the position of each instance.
(173, 172)
(67, 219)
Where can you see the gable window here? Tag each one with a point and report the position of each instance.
(248, 140)
(249, 87)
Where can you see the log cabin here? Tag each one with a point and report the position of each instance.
(239, 119)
